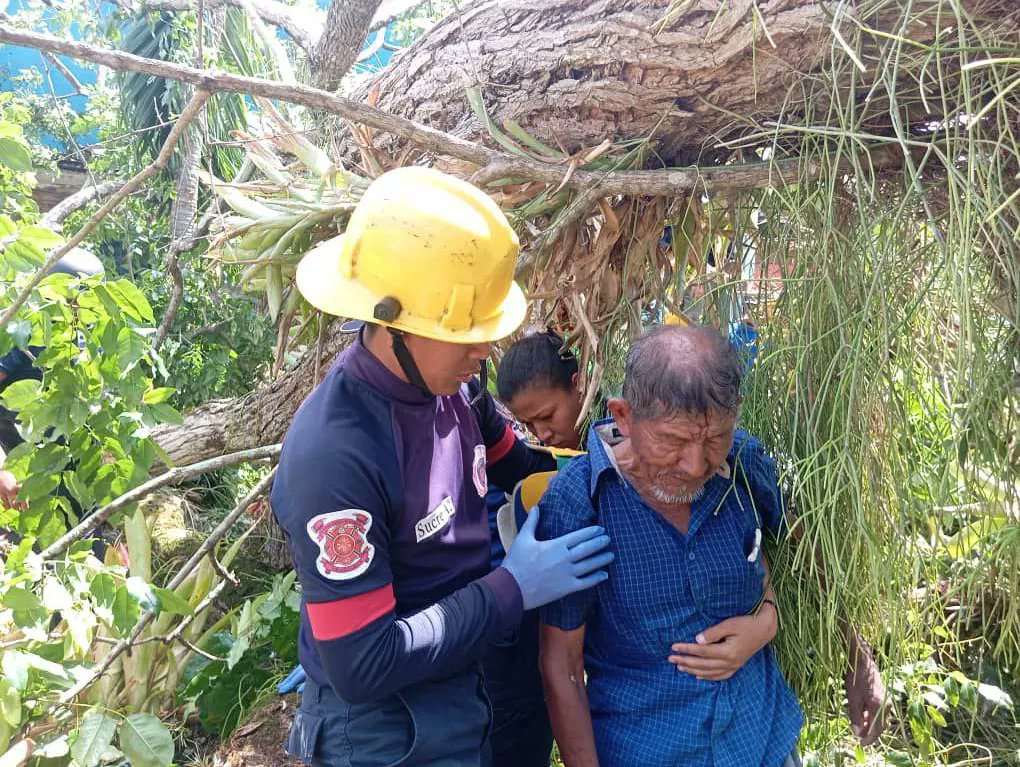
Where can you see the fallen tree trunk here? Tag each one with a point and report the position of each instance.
(574, 74)
(687, 75)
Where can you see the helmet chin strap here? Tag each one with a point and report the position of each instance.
(387, 310)
(406, 361)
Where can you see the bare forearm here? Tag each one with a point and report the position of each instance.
(567, 701)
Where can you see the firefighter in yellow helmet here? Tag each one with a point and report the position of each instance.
(382, 480)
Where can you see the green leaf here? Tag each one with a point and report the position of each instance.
(38, 486)
(23, 256)
(15, 667)
(143, 592)
(14, 154)
(146, 742)
(156, 396)
(10, 704)
(165, 414)
(131, 300)
(79, 489)
(130, 348)
(103, 589)
(40, 236)
(21, 393)
(49, 459)
(898, 759)
(169, 602)
(48, 668)
(125, 611)
(93, 737)
(8, 128)
(19, 599)
(936, 716)
(20, 332)
(7, 226)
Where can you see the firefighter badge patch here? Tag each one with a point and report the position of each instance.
(342, 538)
(478, 471)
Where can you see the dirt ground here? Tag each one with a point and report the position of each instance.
(259, 742)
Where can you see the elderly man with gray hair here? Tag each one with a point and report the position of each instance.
(685, 497)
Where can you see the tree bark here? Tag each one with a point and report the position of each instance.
(574, 74)
(347, 24)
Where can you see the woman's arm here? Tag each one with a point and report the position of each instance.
(562, 662)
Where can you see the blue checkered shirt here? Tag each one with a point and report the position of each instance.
(665, 587)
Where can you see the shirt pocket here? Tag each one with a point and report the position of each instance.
(726, 568)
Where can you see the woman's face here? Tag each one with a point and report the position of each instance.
(549, 412)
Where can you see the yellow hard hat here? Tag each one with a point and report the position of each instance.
(424, 253)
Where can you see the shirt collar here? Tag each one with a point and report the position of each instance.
(601, 436)
(365, 366)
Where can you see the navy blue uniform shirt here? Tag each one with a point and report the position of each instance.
(380, 490)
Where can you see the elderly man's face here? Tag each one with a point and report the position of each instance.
(676, 455)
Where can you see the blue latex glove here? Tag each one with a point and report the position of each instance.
(549, 570)
(295, 681)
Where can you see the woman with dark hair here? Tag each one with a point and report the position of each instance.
(538, 382)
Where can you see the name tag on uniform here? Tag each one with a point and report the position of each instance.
(437, 519)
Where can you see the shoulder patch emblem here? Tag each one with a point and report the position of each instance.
(342, 538)
(478, 471)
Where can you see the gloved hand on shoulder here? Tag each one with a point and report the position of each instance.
(549, 570)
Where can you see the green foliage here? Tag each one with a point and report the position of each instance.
(87, 424)
(15, 164)
(258, 648)
(220, 342)
(149, 105)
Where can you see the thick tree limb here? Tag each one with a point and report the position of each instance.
(190, 112)
(177, 474)
(347, 24)
(55, 216)
(229, 425)
(664, 182)
(683, 75)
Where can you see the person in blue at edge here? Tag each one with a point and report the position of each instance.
(381, 483)
(685, 496)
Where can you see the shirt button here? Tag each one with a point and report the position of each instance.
(691, 556)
